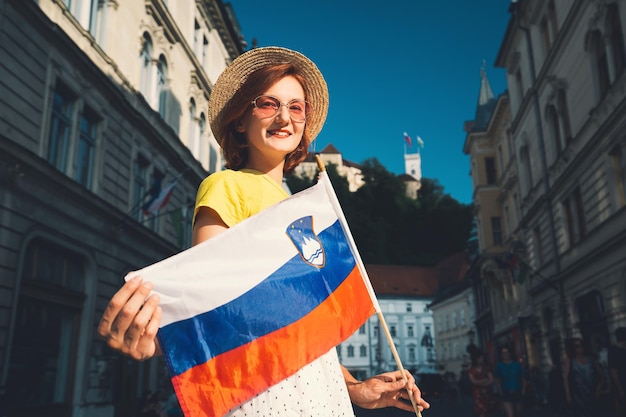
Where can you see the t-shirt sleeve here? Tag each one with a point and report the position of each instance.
(224, 195)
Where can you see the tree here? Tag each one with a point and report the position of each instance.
(393, 229)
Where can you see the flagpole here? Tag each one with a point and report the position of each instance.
(368, 284)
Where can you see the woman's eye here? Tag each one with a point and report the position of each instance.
(267, 104)
(297, 107)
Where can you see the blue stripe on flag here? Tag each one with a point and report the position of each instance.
(297, 286)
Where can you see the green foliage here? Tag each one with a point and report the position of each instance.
(392, 229)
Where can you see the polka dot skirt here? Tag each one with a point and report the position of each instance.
(317, 390)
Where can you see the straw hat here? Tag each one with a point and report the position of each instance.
(236, 74)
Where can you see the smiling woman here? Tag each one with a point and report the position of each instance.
(265, 110)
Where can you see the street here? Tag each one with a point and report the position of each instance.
(449, 408)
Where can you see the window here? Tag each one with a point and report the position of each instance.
(140, 186)
(201, 133)
(44, 341)
(196, 38)
(392, 330)
(496, 230)
(412, 354)
(362, 329)
(146, 67)
(350, 351)
(455, 320)
(97, 19)
(409, 331)
(409, 307)
(600, 62)
(564, 116)
(205, 51)
(73, 136)
(618, 163)
(462, 314)
(363, 351)
(192, 128)
(549, 27)
(519, 85)
(490, 170)
(616, 39)
(86, 148)
(574, 216)
(552, 119)
(526, 168)
(60, 127)
(162, 86)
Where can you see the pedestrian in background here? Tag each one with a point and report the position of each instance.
(582, 379)
(617, 370)
(482, 385)
(509, 376)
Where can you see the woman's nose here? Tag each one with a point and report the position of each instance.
(283, 113)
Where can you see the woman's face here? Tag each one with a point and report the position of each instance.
(272, 138)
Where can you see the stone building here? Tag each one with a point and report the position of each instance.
(559, 181)
(103, 111)
(405, 294)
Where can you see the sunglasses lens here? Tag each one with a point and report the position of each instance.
(267, 106)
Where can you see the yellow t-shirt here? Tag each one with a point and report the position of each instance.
(237, 195)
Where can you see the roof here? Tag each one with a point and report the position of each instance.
(398, 280)
(417, 281)
(330, 148)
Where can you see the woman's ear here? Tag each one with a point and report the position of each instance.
(240, 127)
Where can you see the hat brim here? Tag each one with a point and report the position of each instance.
(237, 73)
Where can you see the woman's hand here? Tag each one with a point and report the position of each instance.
(386, 390)
(131, 320)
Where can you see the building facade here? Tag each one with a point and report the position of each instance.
(405, 294)
(103, 112)
(560, 181)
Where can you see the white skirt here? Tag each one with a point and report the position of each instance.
(317, 390)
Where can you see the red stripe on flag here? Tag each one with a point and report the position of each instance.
(213, 388)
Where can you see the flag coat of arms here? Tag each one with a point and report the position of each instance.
(250, 307)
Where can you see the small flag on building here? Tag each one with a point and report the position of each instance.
(407, 139)
(159, 201)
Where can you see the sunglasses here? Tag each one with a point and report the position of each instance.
(269, 106)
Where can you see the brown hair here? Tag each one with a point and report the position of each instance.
(234, 145)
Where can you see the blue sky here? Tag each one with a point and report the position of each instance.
(391, 67)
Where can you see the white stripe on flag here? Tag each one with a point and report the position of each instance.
(211, 274)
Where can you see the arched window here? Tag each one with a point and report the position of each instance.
(146, 66)
(552, 119)
(162, 86)
(616, 39)
(44, 342)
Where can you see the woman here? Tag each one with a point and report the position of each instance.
(482, 385)
(265, 110)
(582, 379)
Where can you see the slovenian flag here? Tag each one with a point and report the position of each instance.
(407, 139)
(250, 307)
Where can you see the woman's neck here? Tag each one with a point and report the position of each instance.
(274, 170)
